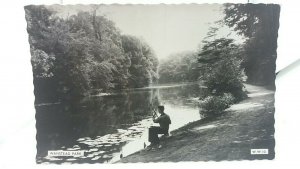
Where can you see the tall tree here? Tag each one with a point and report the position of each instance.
(143, 62)
(259, 23)
(71, 56)
(220, 67)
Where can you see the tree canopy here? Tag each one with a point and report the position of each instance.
(84, 52)
(220, 67)
(259, 23)
(143, 63)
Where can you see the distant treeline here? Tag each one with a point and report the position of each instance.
(181, 67)
(73, 55)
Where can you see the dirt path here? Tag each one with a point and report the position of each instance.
(246, 125)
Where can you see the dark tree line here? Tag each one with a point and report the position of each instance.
(222, 62)
(259, 23)
(71, 56)
(143, 63)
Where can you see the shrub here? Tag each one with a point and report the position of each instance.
(226, 77)
(213, 105)
(221, 73)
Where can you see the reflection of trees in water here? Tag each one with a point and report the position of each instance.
(61, 125)
(57, 126)
(106, 114)
(180, 95)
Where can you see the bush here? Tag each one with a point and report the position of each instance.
(221, 73)
(226, 77)
(213, 105)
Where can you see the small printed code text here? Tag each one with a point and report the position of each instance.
(259, 151)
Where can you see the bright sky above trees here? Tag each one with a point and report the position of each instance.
(168, 29)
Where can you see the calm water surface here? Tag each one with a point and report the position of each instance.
(107, 126)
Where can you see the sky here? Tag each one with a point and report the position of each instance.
(168, 29)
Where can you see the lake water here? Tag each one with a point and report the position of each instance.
(107, 126)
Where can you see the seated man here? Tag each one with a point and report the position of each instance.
(164, 122)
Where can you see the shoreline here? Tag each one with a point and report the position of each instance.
(231, 135)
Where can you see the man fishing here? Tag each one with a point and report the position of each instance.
(164, 122)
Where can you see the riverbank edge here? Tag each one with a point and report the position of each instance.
(179, 131)
(186, 129)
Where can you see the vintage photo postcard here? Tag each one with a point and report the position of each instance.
(153, 83)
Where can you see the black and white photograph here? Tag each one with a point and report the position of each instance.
(153, 83)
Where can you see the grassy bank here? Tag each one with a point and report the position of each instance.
(230, 136)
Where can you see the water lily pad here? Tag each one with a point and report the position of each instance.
(93, 149)
(107, 145)
(95, 158)
(76, 146)
(52, 158)
(71, 159)
(90, 155)
(70, 149)
(107, 156)
(81, 139)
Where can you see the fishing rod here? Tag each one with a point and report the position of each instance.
(153, 111)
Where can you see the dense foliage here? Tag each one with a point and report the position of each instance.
(143, 63)
(223, 63)
(259, 23)
(220, 67)
(71, 56)
(181, 67)
(221, 74)
(214, 105)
